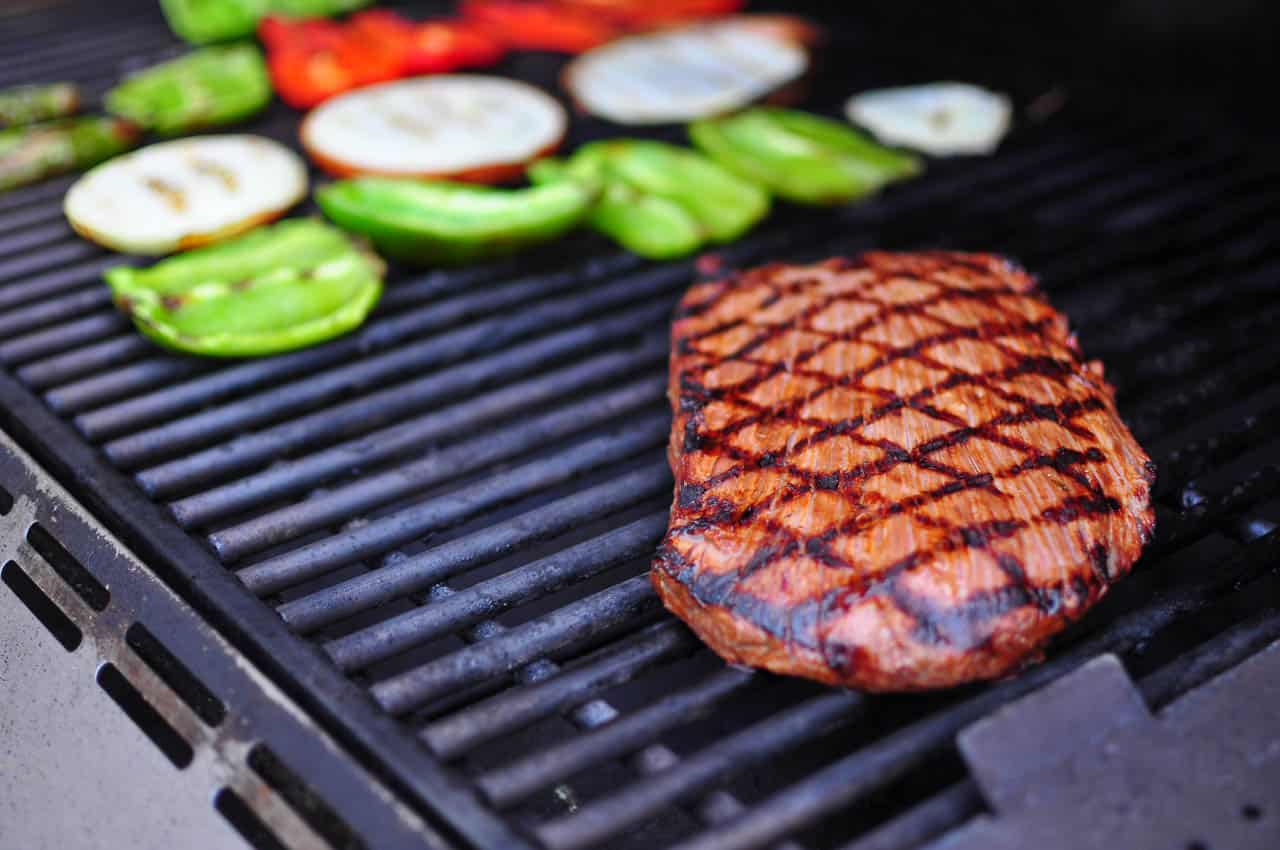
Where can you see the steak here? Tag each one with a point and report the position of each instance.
(893, 472)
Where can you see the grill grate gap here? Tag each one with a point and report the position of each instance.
(318, 814)
(43, 608)
(149, 721)
(68, 567)
(175, 674)
(232, 806)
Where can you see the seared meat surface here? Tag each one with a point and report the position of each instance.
(893, 472)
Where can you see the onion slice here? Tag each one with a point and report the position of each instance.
(182, 194)
(461, 126)
(685, 73)
(940, 119)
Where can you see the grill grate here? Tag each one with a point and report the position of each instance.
(446, 516)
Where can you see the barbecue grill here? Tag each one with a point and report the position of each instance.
(391, 591)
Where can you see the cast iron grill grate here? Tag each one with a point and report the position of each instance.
(446, 517)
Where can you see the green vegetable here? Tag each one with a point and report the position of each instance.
(31, 153)
(275, 289)
(41, 102)
(436, 221)
(206, 88)
(659, 200)
(647, 225)
(206, 21)
(801, 157)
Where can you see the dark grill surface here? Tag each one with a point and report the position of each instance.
(439, 527)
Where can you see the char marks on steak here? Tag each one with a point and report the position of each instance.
(893, 472)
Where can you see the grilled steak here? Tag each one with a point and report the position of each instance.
(894, 472)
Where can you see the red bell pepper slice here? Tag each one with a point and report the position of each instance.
(311, 61)
(640, 14)
(431, 46)
(540, 26)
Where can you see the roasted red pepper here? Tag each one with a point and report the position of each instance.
(313, 60)
(430, 47)
(639, 14)
(541, 26)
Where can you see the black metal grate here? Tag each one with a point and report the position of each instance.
(456, 504)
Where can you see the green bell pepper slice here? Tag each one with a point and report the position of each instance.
(442, 222)
(37, 151)
(287, 286)
(648, 225)
(801, 157)
(659, 200)
(206, 88)
(207, 21)
(30, 104)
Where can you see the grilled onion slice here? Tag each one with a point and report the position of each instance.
(459, 126)
(182, 194)
(684, 73)
(940, 119)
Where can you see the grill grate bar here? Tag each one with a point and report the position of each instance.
(26, 347)
(627, 602)
(123, 382)
(29, 217)
(45, 312)
(1189, 453)
(1107, 194)
(35, 193)
(250, 451)
(714, 763)
(66, 367)
(293, 476)
(489, 598)
(250, 376)
(997, 175)
(45, 260)
(1097, 165)
(16, 241)
(450, 347)
(1215, 656)
(1199, 390)
(513, 782)
(358, 497)
(421, 571)
(914, 828)
(1249, 186)
(18, 292)
(384, 534)
(873, 767)
(510, 710)
(120, 53)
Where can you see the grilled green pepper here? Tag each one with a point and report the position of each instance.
(206, 88)
(801, 157)
(437, 221)
(28, 154)
(40, 102)
(278, 288)
(647, 225)
(659, 200)
(206, 21)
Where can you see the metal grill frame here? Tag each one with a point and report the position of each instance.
(386, 749)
